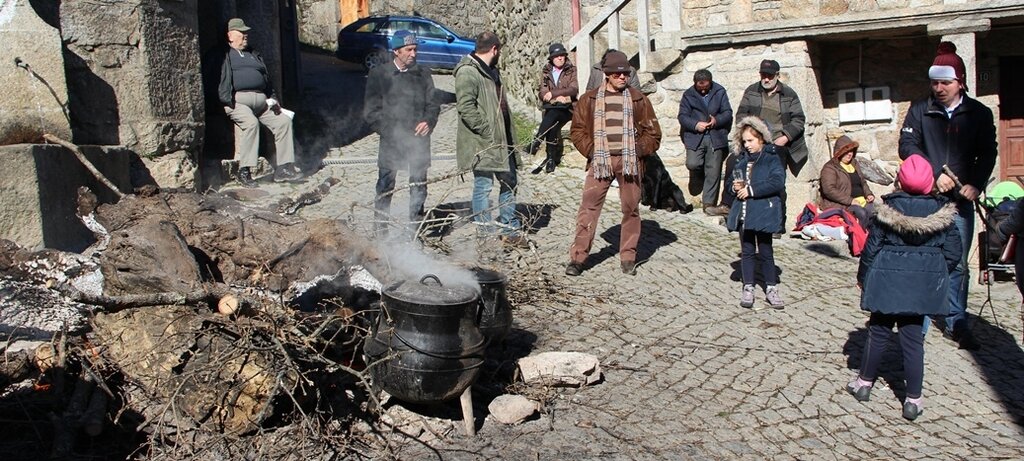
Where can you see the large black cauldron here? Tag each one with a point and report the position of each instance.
(495, 318)
(428, 337)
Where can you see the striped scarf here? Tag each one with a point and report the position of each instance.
(602, 162)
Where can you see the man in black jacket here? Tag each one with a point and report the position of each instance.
(951, 129)
(400, 107)
(248, 99)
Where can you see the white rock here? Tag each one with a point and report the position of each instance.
(512, 409)
(560, 369)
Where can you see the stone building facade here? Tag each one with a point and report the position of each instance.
(836, 51)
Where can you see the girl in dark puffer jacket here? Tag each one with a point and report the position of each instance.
(904, 274)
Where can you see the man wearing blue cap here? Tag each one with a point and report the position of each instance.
(400, 107)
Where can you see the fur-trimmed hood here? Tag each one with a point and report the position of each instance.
(753, 122)
(903, 224)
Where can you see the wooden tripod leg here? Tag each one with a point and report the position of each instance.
(467, 411)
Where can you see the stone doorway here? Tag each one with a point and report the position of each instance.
(1011, 118)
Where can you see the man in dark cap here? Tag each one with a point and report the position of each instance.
(248, 98)
(953, 130)
(705, 118)
(558, 91)
(779, 106)
(615, 127)
(400, 107)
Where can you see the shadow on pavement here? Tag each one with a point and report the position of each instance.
(331, 111)
(825, 249)
(1001, 362)
(652, 237)
(890, 371)
(442, 219)
(737, 276)
(535, 216)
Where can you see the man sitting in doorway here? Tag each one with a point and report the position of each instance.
(248, 98)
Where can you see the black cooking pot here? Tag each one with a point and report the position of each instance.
(495, 318)
(426, 343)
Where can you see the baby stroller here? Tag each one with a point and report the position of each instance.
(996, 254)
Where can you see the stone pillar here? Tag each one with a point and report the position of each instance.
(32, 36)
(134, 76)
(671, 16)
(962, 34)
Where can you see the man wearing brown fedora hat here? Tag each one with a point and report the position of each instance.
(615, 127)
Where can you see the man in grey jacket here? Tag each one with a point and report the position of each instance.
(483, 142)
(779, 106)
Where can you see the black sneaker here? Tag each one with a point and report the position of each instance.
(286, 173)
(539, 167)
(245, 177)
(574, 269)
(550, 167)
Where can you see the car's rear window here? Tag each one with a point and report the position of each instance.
(364, 26)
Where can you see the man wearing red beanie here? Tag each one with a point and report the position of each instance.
(949, 128)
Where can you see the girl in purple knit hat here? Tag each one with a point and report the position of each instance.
(904, 274)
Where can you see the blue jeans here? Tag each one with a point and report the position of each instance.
(960, 278)
(483, 182)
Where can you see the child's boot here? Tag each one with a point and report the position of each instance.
(861, 390)
(747, 296)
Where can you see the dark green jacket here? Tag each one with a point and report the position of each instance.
(481, 141)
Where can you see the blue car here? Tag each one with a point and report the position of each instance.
(366, 41)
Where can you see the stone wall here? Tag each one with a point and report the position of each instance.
(318, 23)
(38, 192)
(31, 106)
(713, 13)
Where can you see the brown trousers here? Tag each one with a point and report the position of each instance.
(594, 192)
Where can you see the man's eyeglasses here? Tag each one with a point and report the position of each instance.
(621, 75)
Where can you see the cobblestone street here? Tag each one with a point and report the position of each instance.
(688, 374)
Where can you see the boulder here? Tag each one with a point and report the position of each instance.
(874, 171)
(512, 409)
(571, 369)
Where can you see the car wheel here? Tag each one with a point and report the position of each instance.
(374, 58)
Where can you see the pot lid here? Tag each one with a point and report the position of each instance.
(430, 290)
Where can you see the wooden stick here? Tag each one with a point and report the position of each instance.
(467, 411)
(85, 162)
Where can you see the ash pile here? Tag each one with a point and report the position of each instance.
(195, 327)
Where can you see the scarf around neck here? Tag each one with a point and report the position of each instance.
(602, 158)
